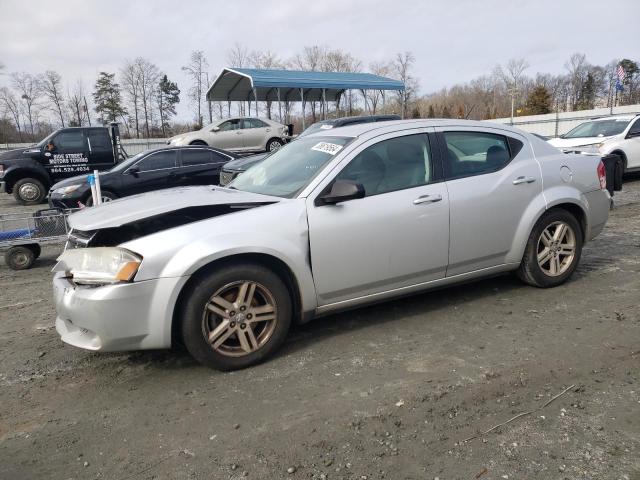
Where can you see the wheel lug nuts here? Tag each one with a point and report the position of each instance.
(243, 326)
(242, 309)
(232, 313)
(249, 316)
(233, 324)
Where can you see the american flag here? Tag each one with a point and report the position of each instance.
(621, 73)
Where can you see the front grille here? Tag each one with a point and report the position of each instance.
(226, 177)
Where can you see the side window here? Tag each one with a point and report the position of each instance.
(635, 128)
(198, 156)
(230, 125)
(389, 165)
(158, 161)
(99, 140)
(475, 153)
(254, 123)
(69, 141)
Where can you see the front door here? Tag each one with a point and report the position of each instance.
(200, 166)
(632, 146)
(230, 136)
(153, 172)
(67, 154)
(397, 236)
(492, 178)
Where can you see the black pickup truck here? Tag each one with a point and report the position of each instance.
(29, 172)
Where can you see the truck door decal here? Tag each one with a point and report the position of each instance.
(69, 163)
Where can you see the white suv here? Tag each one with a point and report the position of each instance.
(617, 135)
(238, 135)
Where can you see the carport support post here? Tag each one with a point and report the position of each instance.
(324, 104)
(402, 104)
(279, 106)
(255, 98)
(302, 99)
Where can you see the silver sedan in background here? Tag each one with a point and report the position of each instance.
(330, 222)
(238, 135)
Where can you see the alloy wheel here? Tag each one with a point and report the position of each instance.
(239, 318)
(556, 249)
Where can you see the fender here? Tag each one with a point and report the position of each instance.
(23, 168)
(559, 195)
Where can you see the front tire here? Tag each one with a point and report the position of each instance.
(106, 195)
(274, 144)
(236, 316)
(20, 257)
(553, 250)
(198, 142)
(29, 191)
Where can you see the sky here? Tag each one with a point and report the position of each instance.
(453, 41)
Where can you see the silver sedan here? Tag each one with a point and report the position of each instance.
(329, 222)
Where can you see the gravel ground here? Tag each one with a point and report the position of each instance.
(391, 391)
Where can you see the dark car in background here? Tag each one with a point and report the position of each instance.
(235, 167)
(151, 170)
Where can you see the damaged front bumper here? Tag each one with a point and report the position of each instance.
(126, 316)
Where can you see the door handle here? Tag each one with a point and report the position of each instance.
(427, 199)
(521, 180)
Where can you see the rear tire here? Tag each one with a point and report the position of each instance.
(226, 329)
(20, 257)
(29, 191)
(274, 144)
(553, 250)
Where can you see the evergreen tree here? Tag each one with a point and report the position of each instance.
(106, 96)
(168, 96)
(538, 101)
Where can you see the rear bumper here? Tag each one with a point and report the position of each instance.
(599, 204)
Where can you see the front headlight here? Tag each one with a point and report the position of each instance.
(99, 265)
(176, 141)
(591, 148)
(66, 190)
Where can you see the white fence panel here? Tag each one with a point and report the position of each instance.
(552, 124)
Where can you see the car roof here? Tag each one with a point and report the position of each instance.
(380, 128)
(614, 117)
(358, 119)
(189, 147)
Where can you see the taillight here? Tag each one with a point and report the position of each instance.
(602, 175)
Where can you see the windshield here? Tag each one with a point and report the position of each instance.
(600, 128)
(122, 166)
(288, 170)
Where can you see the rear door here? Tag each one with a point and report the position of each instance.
(70, 154)
(200, 166)
(492, 178)
(255, 133)
(152, 172)
(632, 146)
(100, 149)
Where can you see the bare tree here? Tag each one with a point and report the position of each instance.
(196, 70)
(238, 57)
(382, 69)
(267, 60)
(75, 103)
(51, 85)
(148, 77)
(578, 69)
(11, 105)
(129, 79)
(403, 65)
(512, 74)
(28, 88)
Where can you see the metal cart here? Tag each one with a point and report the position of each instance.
(22, 235)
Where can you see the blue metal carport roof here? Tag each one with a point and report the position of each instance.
(241, 84)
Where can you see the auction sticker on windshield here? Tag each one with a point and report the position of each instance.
(330, 148)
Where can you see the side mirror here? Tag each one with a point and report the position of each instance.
(215, 129)
(134, 171)
(341, 191)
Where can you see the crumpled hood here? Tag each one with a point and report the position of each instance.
(243, 163)
(576, 142)
(138, 207)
